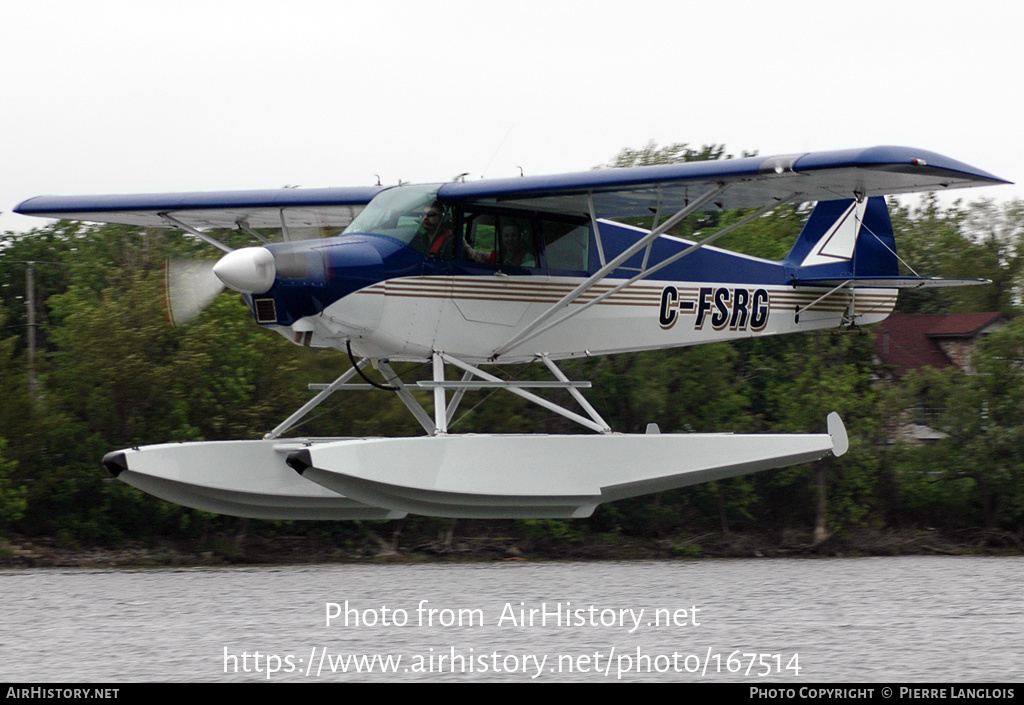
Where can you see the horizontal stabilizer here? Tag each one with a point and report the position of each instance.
(891, 282)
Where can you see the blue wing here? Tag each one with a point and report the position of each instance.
(324, 207)
(751, 182)
(614, 193)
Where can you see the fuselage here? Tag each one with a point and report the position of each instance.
(392, 294)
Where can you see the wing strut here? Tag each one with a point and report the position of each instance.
(606, 270)
(644, 273)
(597, 230)
(284, 227)
(193, 231)
(244, 226)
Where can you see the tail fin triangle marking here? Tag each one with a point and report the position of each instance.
(838, 242)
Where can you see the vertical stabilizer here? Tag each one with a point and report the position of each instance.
(846, 239)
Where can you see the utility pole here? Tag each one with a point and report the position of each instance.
(30, 301)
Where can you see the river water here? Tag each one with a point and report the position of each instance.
(940, 619)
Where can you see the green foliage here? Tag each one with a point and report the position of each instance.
(652, 154)
(553, 529)
(682, 390)
(247, 376)
(16, 411)
(982, 416)
(770, 237)
(109, 340)
(12, 499)
(979, 240)
(797, 381)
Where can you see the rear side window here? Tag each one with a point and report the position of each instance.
(566, 245)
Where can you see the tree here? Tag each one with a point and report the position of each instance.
(651, 154)
(977, 240)
(15, 420)
(982, 416)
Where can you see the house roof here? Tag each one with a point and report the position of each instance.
(910, 341)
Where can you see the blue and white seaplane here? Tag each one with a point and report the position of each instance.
(509, 271)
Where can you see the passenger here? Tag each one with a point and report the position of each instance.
(516, 249)
(474, 255)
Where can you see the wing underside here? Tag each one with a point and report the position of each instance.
(324, 208)
(751, 182)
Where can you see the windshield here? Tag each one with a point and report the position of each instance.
(397, 212)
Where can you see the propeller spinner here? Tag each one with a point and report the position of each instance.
(192, 285)
(249, 270)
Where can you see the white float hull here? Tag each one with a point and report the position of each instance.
(532, 476)
(468, 476)
(238, 478)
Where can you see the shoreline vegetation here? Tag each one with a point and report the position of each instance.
(105, 371)
(372, 547)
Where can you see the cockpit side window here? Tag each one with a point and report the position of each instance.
(481, 245)
(400, 213)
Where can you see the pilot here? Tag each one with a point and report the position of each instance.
(435, 234)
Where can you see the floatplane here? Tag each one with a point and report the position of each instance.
(466, 275)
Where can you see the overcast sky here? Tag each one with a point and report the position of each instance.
(112, 96)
